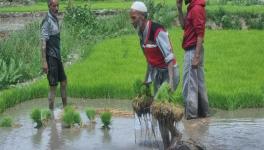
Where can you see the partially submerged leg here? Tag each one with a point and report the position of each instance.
(51, 97)
(202, 92)
(190, 87)
(63, 90)
(175, 135)
(164, 134)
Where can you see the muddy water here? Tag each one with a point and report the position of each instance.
(12, 22)
(16, 23)
(243, 129)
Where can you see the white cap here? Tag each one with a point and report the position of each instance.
(139, 6)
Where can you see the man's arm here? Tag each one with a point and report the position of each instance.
(170, 71)
(180, 13)
(44, 38)
(148, 79)
(199, 18)
(196, 58)
(43, 56)
(165, 46)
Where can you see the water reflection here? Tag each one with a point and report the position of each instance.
(37, 137)
(55, 140)
(106, 136)
(91, 127)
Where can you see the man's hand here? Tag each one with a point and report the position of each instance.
(179, 4)
(195, 62)
(171, 85)
(146, 83)
(45, 67)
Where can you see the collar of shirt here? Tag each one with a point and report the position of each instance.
(54, 18)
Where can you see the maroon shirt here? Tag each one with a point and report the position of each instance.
(194, 24)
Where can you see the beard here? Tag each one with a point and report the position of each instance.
(138, 26)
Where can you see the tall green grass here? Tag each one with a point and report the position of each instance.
(233, 67)
(20, 53)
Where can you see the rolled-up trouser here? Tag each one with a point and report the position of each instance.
(194, 90)
(161, 75)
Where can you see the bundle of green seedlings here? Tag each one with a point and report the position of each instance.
(6, 122)
(90, 113)
(71, 117)
(164, 107)
(106, 118)
(143, 100)
(40, 117)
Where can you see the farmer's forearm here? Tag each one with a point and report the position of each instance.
(147, 73)
(43, 52)
(180, 13)
(198, 48)
(170, 70)
(181, 17)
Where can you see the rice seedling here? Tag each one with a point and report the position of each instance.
(36, 117)
(46, 115)
(71, 117)
(164, 106)
(90, 113)
(6, 122)
(167, 113)
(143, 100)
(106, 119)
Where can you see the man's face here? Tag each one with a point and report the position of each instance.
(54, 7)
(136, 19)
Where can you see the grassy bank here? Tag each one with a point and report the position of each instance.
(121, 4)
(20, 54)
(234, 72)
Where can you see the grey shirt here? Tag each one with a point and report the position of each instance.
(50, 32)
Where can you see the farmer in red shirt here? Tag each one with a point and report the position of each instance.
(161, 62)
(194, 90)
(156, 46)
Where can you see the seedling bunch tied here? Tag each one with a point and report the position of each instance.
(165, 106)
(143, 99)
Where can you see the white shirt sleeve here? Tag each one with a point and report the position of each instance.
(164, 44)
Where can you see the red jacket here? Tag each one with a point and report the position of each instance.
(194, 24)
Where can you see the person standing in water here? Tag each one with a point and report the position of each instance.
(194, 90)
(161, 62)
(51, 58)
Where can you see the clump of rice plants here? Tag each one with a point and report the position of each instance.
(90, 113)
(41, 117)
(36, 117)
(164, 94)
(164, 106)
(106, 118)
(167, 112)
(143, 100)
(45, 116)
(6, 122)
(71, 117)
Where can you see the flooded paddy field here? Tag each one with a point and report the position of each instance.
(224, 130)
